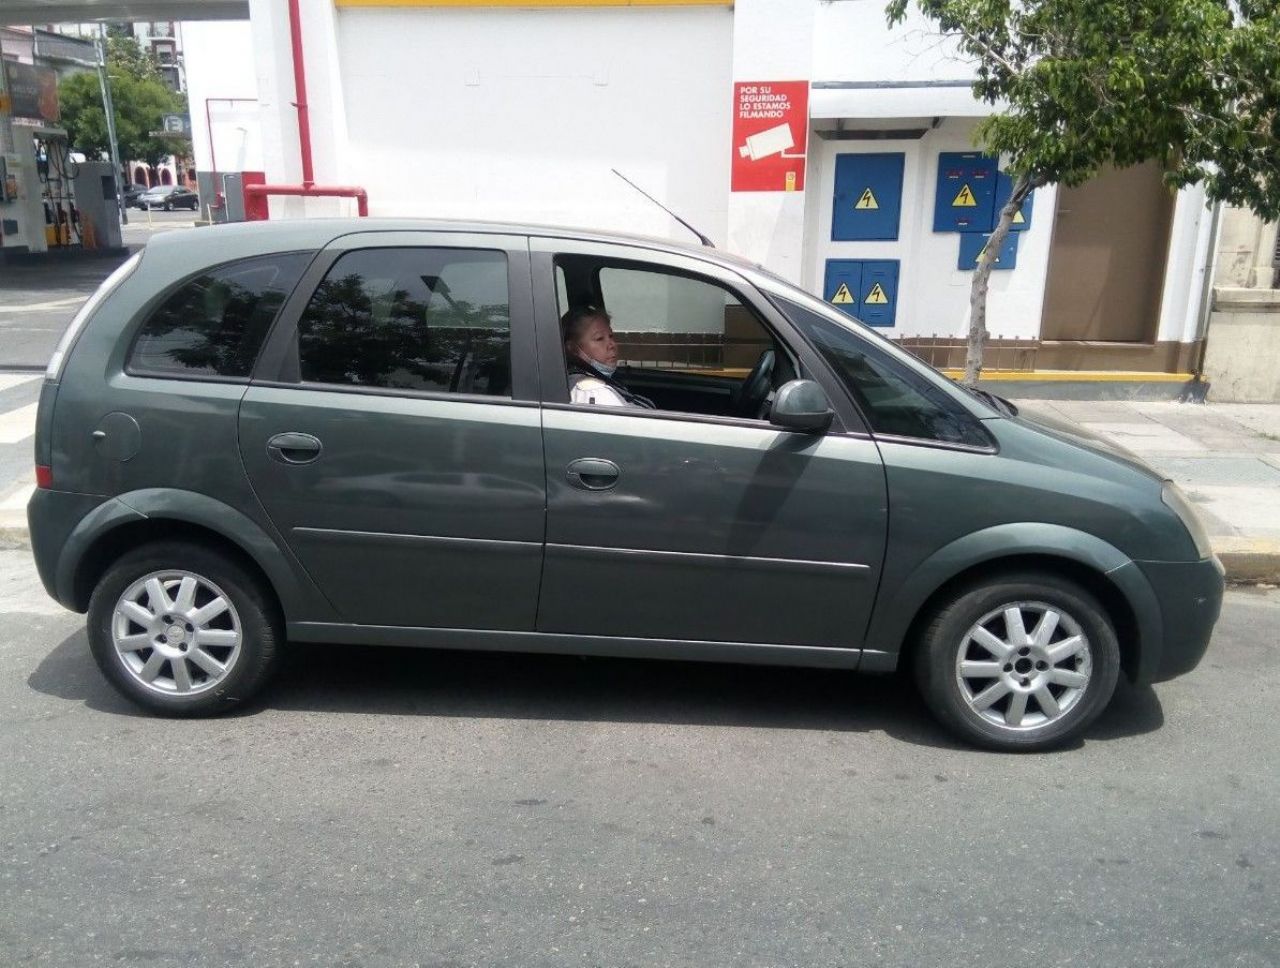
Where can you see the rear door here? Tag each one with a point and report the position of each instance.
(392, 431)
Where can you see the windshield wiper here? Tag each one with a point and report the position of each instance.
(1000, 404)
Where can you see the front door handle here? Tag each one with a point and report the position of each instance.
(294, 448)
(593, 474)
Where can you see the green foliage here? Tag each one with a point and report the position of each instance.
(1192, 84)
(141, 101)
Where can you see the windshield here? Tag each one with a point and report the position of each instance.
(894, 400)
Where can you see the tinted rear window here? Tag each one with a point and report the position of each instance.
(433, 320)
(214, 324)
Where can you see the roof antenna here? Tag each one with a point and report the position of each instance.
(701, 238)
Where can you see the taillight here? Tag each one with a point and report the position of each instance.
(44, 476)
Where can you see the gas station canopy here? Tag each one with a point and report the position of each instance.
(83, 11)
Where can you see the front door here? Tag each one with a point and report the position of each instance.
(705, 522)
(392, 433)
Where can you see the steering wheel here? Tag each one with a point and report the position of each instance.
(755, 388)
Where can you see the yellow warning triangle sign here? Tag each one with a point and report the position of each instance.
(842, 295)
(1018, 219)
(964, 199)
(876, 296)
(867, 200)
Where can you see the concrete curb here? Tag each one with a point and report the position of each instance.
(1248, 561)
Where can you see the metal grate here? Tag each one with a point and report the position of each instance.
(947, 352)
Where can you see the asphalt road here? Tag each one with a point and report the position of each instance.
(397, 807)
(38, 299)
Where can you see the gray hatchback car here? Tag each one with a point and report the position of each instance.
(362, 432)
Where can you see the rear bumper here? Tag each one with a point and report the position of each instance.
(53, 517)
(1190, 599)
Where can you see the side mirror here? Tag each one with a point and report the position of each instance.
(801, 405)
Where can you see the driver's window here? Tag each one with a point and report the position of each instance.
(683, 344)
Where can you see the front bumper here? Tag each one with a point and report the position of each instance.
(1190, 599)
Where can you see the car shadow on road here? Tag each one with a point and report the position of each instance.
(374, 680)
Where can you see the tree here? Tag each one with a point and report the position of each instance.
(1079, 84)
(141, 101)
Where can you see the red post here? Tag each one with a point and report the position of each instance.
(255, 205)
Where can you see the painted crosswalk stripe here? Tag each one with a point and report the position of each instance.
(41, 307)
(10, 380)
(18, 424)
(18, 499)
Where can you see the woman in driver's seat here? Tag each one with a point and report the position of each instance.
(592, 355)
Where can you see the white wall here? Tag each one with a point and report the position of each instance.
(220, 65)
(519, 115)
(851, 42)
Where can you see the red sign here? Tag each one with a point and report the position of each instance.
(770, 131)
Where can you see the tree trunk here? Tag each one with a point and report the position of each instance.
(982, 278)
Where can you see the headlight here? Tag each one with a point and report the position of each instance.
(1177, 501)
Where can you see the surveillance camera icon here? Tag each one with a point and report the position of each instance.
(774, 141)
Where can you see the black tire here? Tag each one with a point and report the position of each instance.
(252, 613)
(953, 697)
(168, 206)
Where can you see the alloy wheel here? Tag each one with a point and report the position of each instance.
(176, 633)
(1024, 665)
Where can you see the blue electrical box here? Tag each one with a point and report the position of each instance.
(868, 197)
(843, 284)
(972, 244)
(865, 289)
(965, 198)
(1004, 188)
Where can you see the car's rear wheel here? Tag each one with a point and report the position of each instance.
(1023, 662)
(168, 206)
(183, 630)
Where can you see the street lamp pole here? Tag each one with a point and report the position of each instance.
(105, 83)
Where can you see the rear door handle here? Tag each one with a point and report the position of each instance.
(294, 448)
(593, 474)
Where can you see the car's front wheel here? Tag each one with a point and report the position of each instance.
(1019, 663)
(183, 630)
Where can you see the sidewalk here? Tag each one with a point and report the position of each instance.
(1226, 457)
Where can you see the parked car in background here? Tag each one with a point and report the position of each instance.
(169, 197)
(362, 432)
(131, 194)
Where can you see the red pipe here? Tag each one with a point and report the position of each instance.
(255, 196)
(300, 91)
(255, 192)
